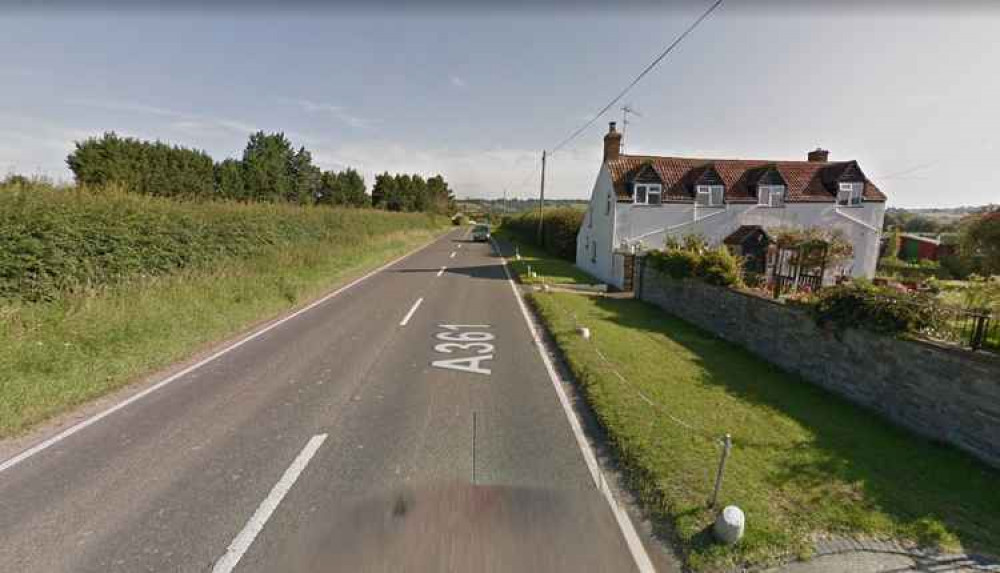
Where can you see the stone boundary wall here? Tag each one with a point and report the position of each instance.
(941, 392)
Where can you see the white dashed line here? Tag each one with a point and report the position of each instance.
(413, 309)
(639, 555)
(244, 540)
(441, 272)
(452, 255)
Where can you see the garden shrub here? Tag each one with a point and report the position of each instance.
(859, 304)
(925, 269)
(677, 263)
(714, 266)
(719, 267)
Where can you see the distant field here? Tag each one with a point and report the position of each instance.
(100, 290)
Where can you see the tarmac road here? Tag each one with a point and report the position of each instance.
(406, 424)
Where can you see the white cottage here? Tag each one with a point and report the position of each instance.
(640, 200)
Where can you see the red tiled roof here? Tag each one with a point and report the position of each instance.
(807, 180)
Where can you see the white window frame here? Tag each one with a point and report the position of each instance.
(647, 190)
(850, 194)
(709, 191)
(766, 195)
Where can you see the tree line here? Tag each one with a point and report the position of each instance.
(270, 170)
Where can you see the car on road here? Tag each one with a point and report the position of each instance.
(481, 233)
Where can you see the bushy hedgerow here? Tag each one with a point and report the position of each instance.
(719, 267)
(53, 241)
(926, 269)
(677, 263)
(859, 304)
(715, 266)
(559, 230)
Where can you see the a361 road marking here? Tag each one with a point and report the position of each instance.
(469, 339)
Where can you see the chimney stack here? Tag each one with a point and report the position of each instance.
(612, 143)
(819, 155)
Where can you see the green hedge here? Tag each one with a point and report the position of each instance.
(858, 304)
(894, 267)
(53, 241)
(715, 266)
(559, 230)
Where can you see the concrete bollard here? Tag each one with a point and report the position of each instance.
(730, 524)
(584, 332)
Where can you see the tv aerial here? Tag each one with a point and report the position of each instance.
(626, 110)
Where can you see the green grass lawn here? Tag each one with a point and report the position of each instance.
(547, 268)
(62, 353)
(804, 464)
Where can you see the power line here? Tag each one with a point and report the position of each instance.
(649, 68)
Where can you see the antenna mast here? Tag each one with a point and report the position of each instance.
(626, 109)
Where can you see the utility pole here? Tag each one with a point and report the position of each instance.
(541, 202)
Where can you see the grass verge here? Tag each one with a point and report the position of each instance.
(805, 463)
(58, 354)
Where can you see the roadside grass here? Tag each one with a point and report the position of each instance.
(551, 269)
(805, 463)
(77, 347)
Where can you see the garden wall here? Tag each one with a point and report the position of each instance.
(944, 393)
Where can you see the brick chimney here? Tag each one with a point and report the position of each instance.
(819, 155)
(612, 143)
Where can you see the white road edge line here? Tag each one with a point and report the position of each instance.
(441, 272)
(46, 444)
(413, 309)
(242, 542)
(638, 550)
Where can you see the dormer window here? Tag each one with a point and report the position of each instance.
(849, 194)
(709, 195)
(771, 195)
(647, 193)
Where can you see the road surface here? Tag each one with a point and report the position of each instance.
(407, 423)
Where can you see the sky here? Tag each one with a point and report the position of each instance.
(908, 90)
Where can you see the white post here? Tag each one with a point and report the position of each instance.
(727, 444)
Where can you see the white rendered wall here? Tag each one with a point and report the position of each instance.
(598, 226)
(859, 224)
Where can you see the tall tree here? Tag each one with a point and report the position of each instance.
(306, 177)
(142, 167)
(346, 188)
(441, 198)
(267, 163)
(980, 241)
(229, 180)
(385, 194)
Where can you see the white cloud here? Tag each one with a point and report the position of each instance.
(337, 112)
(186, 121)
(458, 82)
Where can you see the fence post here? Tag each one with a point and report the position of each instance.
(981, 319)
(727, 444)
